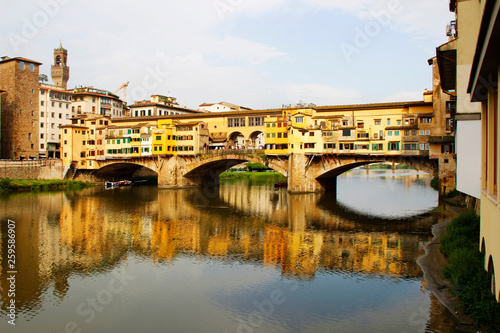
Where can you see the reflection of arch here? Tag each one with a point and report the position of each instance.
(256, 140)
(329, 203)
(236, 140)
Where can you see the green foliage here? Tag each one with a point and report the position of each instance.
(256, 166)
(251, 175)
(466, 272)
(4, 183)
(41, 185)
(435, 183)
(452, 194)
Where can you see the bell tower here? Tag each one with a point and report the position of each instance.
(60, 69)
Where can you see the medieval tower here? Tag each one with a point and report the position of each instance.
(60, 69)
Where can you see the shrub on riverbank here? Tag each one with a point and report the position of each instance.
(465, 270)
(15, 185)
(250, 175)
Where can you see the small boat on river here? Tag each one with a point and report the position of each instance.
(281, 185)
(117, 184)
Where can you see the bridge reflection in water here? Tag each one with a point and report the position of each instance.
(63, 234)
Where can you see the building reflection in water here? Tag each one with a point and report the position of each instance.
(90, 232)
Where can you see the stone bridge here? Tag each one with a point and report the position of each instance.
(305, 173)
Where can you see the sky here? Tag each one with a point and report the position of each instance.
(260, 54)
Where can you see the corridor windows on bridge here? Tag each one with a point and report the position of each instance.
(377, 146)
(309, 145)
(236, 122)
(329, 145)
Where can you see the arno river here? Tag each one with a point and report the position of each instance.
(243, 257)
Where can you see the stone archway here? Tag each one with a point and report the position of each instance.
(236, 140)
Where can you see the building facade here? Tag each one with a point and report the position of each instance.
(159, 105)
(19, 118)
(89, 100)
(455, 61)
(483, 88)
(55, 111)
(222, 107)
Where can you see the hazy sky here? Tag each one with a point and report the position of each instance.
(255, 53)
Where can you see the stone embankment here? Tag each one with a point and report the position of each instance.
(32, 169)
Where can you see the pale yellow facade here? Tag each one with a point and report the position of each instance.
(483, 88)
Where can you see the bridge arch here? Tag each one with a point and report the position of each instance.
(122, 170)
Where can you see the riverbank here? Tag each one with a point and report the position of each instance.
(20, 185)
(434, 264)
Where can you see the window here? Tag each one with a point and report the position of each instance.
(396, 133)
(393, 146)
(236, 122)
(311, 133)
(21, 65)
(42, 103)
(427, 132)
(41, 125)
(425, 120)
(388, 121)
(345, 123)
(29, 136)
(378, 122)
(410, 146)
(255, 121)
(389, 133)
(421, 132)
(299, 120)
(399, 122)
(346, 132)
(158, 138)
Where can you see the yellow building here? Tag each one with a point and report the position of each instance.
(79, 141)
(483, 87)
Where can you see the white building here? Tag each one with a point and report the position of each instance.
(222, 107)
(159, 105)
(55, 110)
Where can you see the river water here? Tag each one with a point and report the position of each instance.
(243, 257)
